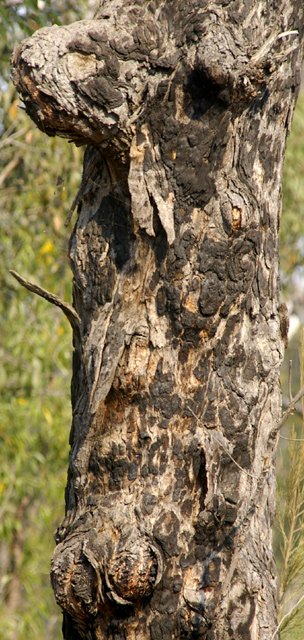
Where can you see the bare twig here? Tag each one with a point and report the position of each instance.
(75, 204)
(211, 433)
(291, 439)
(9, 168)
(10, 139)
(291, 407)
(293, 32)
(12, 3)
(297, 409)
(289, 381)
(286, 616)
(267, 46)
(67, 309)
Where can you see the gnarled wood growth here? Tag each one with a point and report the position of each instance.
(184, 107)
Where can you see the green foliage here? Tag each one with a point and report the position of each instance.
(292, 223)
(289, 530)
(38, 181)
(290, 522)
(20, 19)
(35, 352)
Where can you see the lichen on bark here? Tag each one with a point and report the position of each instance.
(184, 108)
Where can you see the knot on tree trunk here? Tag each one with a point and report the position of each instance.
(96, 569)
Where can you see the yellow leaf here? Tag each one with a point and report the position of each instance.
(48, 416)
(49, 260)
(60, 331)
(46, 248)
(14, 109)
(32, 24)
(22, 401)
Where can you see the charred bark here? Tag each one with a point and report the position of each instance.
(184, 107)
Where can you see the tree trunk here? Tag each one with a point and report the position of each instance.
(184, 107)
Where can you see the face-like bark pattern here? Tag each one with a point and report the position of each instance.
(185, 108)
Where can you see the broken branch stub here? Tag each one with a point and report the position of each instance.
(184, 112)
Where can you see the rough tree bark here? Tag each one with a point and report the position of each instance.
(184, 107)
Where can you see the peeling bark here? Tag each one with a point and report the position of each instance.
(184, 108)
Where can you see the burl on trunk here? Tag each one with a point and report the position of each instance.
(184, 107)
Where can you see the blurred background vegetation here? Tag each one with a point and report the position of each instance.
(39, 177)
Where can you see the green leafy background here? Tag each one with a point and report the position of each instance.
(39, 177)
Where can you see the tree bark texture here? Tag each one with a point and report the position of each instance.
(184, 108)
